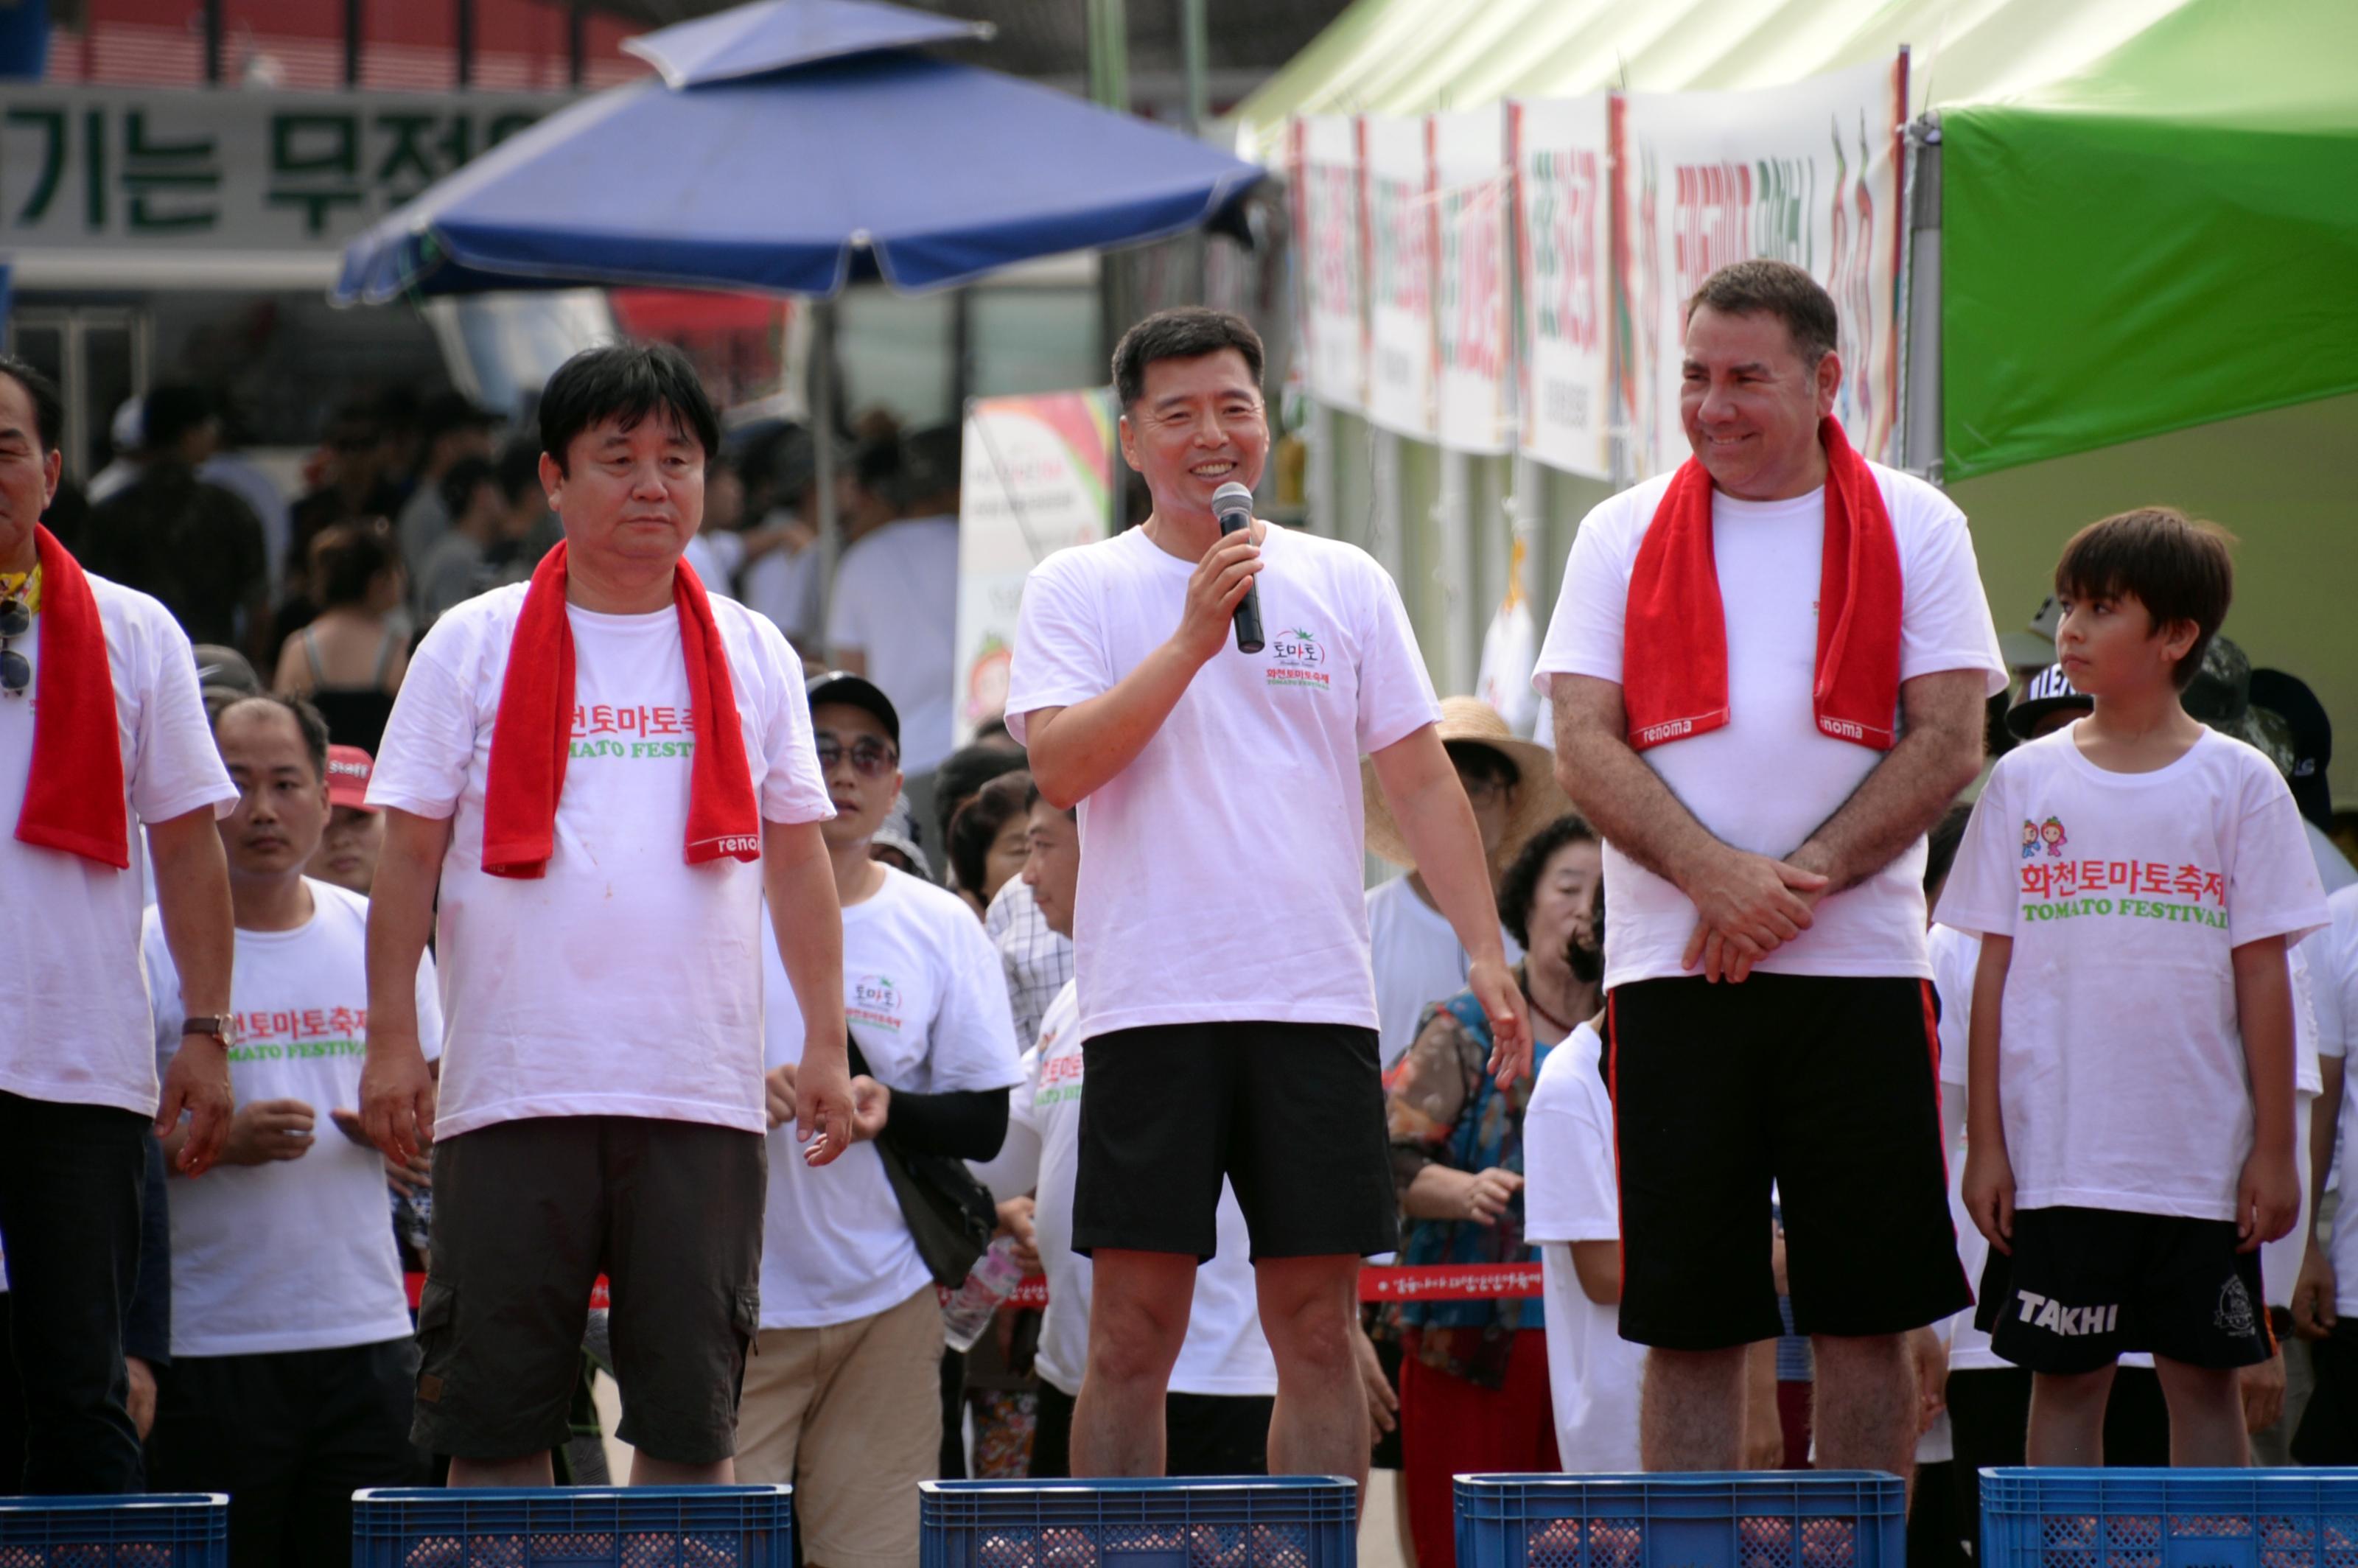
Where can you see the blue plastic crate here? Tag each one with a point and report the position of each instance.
(577, 1526)
(2169, 1518)
(1762, 1518)
(1244, 1522)
(160, 1530)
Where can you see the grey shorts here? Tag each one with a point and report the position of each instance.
(527, 1216)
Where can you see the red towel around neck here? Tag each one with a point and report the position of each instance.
(73, 794)
(1675, 640)
(533, 734)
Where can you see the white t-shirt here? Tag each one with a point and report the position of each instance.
(77, 1028)
(291, 1254)
(925, 999)
(784, 585)
(2333, 960)
(716, 554)
(1767, 779)
(1225, 1351)
(623, 982)
(1222, 870)
(1417, 962)
(896, 600)
(2120, 1064)
(1570, 1192)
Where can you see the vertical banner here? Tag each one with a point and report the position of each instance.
(1559, 148)
(1807, 173)
(1471, 171)
(1401, 220)
(1037, 475)
(1333, 259)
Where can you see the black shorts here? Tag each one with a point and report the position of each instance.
(527, 1216)
(1824, 1085)
(1292, 1114)
(2086, 1286)
(1203, 1435)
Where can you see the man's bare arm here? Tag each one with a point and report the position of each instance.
(397, 1092)
(799, 882)
(1939, 752)
(1753, 902)
(192, 901)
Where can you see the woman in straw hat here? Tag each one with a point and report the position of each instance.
(1417, 957)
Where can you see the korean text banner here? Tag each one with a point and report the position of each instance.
(1333, 259)
(83, 168)
(1807, 173)
(1564, 227)
(1470, 173)
(1038, 474)
(1402, 218)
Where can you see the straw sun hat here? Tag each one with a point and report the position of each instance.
(1539, 799)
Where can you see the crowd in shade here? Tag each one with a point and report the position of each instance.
(385, 1013)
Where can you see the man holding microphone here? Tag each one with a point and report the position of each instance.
(1226, 1002)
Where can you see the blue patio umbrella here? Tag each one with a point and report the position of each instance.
(794, 147)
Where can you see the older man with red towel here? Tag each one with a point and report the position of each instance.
(100, 725)
(1768, 669)
(605, 772)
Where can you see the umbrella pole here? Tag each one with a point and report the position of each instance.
(822, 430)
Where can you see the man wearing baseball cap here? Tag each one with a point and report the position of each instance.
(842, 1397)
(355, 831)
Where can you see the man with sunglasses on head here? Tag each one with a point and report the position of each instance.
(100, 731)
(843, 1397)
(605, 773)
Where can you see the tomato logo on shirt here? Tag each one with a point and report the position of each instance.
(873, 999)
(1296, 659)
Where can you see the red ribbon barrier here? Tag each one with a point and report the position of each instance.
(1425, 1283)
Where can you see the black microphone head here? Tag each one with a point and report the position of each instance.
(1232, 497)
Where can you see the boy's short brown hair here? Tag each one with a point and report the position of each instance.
(2180, 570)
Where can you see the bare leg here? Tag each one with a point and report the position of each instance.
(1138, 1320)
(2206, 1414)
(533, 1470)
(648, 1471)
(1865, 1403)
(2067, 1418)
(1690, 1411)
(1310, 1309)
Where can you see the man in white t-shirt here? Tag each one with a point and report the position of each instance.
(101, 731)
(1226, 1007)
(2325, 1299)
(843, 1396)
(605, 773)
(1224, 1385)
(1768, 670)
(893, 617)
(291, 1349)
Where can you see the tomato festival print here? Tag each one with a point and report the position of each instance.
(2133, 890)
(638, 729)
(875, 1001)
(297, 1034)
(1296, 659)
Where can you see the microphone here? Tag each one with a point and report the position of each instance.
(1232, 504)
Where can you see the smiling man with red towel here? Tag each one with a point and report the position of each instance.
(99, 729)
(605, 771)
(1768, 669)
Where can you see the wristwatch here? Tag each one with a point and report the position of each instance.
(216, 1024)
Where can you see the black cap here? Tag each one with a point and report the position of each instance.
(2043, 694)
(2311, 732)
(855, 691)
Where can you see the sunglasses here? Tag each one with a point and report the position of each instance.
(871, 758)
(16, 669)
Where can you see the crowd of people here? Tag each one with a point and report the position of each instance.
(552, 913)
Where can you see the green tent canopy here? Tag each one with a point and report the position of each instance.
(2164, 238)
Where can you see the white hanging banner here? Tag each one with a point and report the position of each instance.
(1560, 155)
(1807, 173)
(1403, 219)
(1471, 173)
(1333, 259)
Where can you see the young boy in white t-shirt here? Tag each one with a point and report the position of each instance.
(2131, 1141)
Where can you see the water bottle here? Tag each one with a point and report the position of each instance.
(968, 1312)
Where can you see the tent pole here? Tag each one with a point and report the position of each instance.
(822, 430)
(1920, 366)
(1194, 45)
